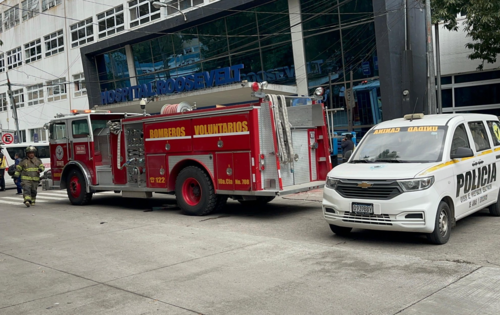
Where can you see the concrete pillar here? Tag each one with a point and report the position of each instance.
(131, 65)
(299, 57)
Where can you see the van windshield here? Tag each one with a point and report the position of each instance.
(419, 144)
(42, 152)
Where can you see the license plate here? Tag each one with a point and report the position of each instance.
(362, 208)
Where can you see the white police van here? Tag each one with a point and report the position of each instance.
(417, 174)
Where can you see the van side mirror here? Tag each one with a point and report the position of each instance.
(462, 153)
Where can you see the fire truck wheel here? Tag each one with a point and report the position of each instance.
(195, 192)
(260, 201)
(76, 189)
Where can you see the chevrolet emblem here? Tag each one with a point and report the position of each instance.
(365, 185)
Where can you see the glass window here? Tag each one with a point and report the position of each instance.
(278, 64)
(213, 39)
(56, 90)
(80, 128)
(31, 8)
(446, 80)
(3, 102)
(182, 5)
(58, 131)
(163, 53)
(82, 32)
(54, 43)
(11, 17)
(352, 11)
(460, 139)
(187, 51)
(494, 127)
(42, 136)
(142, 11)
(447, 97)
(323, 57)
(479, 136)
(253, 65)
(242, 31)
(143, 58)
(33, 51)
(478, 76)
(477, 95)
(1, 23)
(111, 21)
(18, 96)
(2, 63)
(79, 84)
(395, 145)
(359, 51)
(319, 17)
(35, 94)
(47, 4)
(14, 58)
(274, 23)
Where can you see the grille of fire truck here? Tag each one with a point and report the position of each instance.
(376, 219)
(377, 190)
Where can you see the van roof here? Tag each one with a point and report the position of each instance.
(434, 120)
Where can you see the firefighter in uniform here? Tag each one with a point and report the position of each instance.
(29, 170)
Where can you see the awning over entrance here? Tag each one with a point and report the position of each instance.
(222, 95)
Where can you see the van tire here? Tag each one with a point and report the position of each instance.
(442, 225)
(76, 188)
(195, 192)
(340, 230)
(495, 208)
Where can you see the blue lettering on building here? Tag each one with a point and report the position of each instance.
(187, 83)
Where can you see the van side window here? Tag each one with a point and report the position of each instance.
(479, 136)
(460, 139)
(495, 132)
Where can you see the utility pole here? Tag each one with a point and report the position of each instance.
(438, 71)
(431, 74)
(14, 107)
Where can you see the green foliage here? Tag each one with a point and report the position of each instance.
(482, 25)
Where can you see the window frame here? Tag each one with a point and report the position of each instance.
(56, 85)
(29, 47)
(39, 90)
(135, 5)
(54, 132)
(464, 129)
(17, 55)
(87, 26)
(2, 62)
(52, 38)
(18, 96)
(28, 13)
(48, 4)
(3, 102)
(80, 133)
(8, 14)
(495, 136)
(113, 13)
(79, 84)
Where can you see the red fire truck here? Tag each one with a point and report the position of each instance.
(250, 153)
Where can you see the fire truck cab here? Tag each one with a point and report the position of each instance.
(250, 153)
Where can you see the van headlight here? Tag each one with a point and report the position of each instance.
(332, 182)
(416, 184)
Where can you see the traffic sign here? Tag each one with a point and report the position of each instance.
(7, 138)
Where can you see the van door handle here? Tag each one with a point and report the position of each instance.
(475, 163)
(480, 162)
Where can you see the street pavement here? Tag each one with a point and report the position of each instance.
(125, 256)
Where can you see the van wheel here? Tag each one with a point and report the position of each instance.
(495, 208)
(195, 192)
(77, 189)
(259, 201)
(340, 230)
(442, 225)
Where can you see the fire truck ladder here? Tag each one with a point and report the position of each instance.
(283, 130)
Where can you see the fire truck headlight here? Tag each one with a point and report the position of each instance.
(416, 184)
(319, 91)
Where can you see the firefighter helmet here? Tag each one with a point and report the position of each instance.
(30, 149)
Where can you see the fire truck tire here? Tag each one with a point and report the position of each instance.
(76, 189)
(260, 201)
(195, 192)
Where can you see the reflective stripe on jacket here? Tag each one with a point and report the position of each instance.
(28, 169)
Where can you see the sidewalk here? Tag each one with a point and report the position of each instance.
(315, 195)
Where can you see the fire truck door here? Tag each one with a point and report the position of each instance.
(81, 143)
(59, 148)
(157, 170)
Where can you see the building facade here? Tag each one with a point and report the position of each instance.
(62, 55)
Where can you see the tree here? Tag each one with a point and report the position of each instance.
(482, 25)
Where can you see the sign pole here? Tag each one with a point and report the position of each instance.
(14, 107)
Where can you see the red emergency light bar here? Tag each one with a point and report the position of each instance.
(89, 111)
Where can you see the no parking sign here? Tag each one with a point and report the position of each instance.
(7, 138)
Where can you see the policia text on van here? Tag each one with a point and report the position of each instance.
(417, 174)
